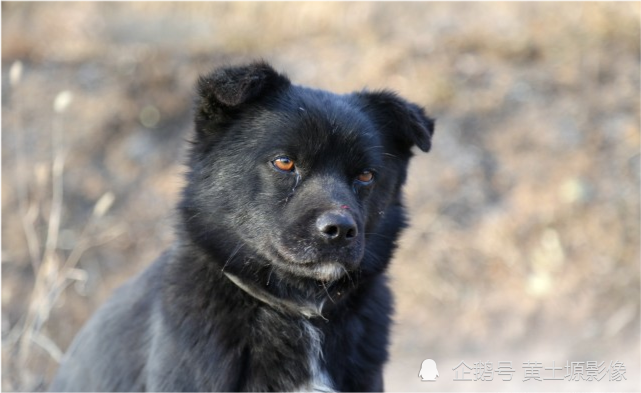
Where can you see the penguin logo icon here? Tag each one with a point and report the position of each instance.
(428, 370)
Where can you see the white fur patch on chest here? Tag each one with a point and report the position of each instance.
(320, 380)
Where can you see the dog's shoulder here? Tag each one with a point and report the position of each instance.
(118, 333)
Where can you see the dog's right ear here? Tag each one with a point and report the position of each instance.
(405, 122)
(226, 90)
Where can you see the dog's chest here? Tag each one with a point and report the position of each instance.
(286, 355)
(319, 380)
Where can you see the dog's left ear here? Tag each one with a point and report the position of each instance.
(406, 123)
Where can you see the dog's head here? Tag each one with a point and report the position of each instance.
(298, 182)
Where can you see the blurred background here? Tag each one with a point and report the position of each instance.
(524, 236)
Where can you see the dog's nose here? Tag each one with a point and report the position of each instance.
(336, 227)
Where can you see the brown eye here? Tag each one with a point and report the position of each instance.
(365, 177)
(284, 164)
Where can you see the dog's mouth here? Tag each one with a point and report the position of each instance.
(318, 265)
(321, 271)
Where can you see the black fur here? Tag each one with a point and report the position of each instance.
(277, 278)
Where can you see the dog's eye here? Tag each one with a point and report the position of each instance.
(365, 177)
(285, 164)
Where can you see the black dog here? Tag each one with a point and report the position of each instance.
(287, 224)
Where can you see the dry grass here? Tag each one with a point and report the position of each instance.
(52, 269)
(524, 238)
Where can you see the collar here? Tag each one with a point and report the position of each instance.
(308, 310)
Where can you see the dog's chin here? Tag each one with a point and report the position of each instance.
(320, 271)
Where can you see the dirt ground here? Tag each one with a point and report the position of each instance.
(524, 236)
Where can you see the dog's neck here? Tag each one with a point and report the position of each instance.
(307, 309)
